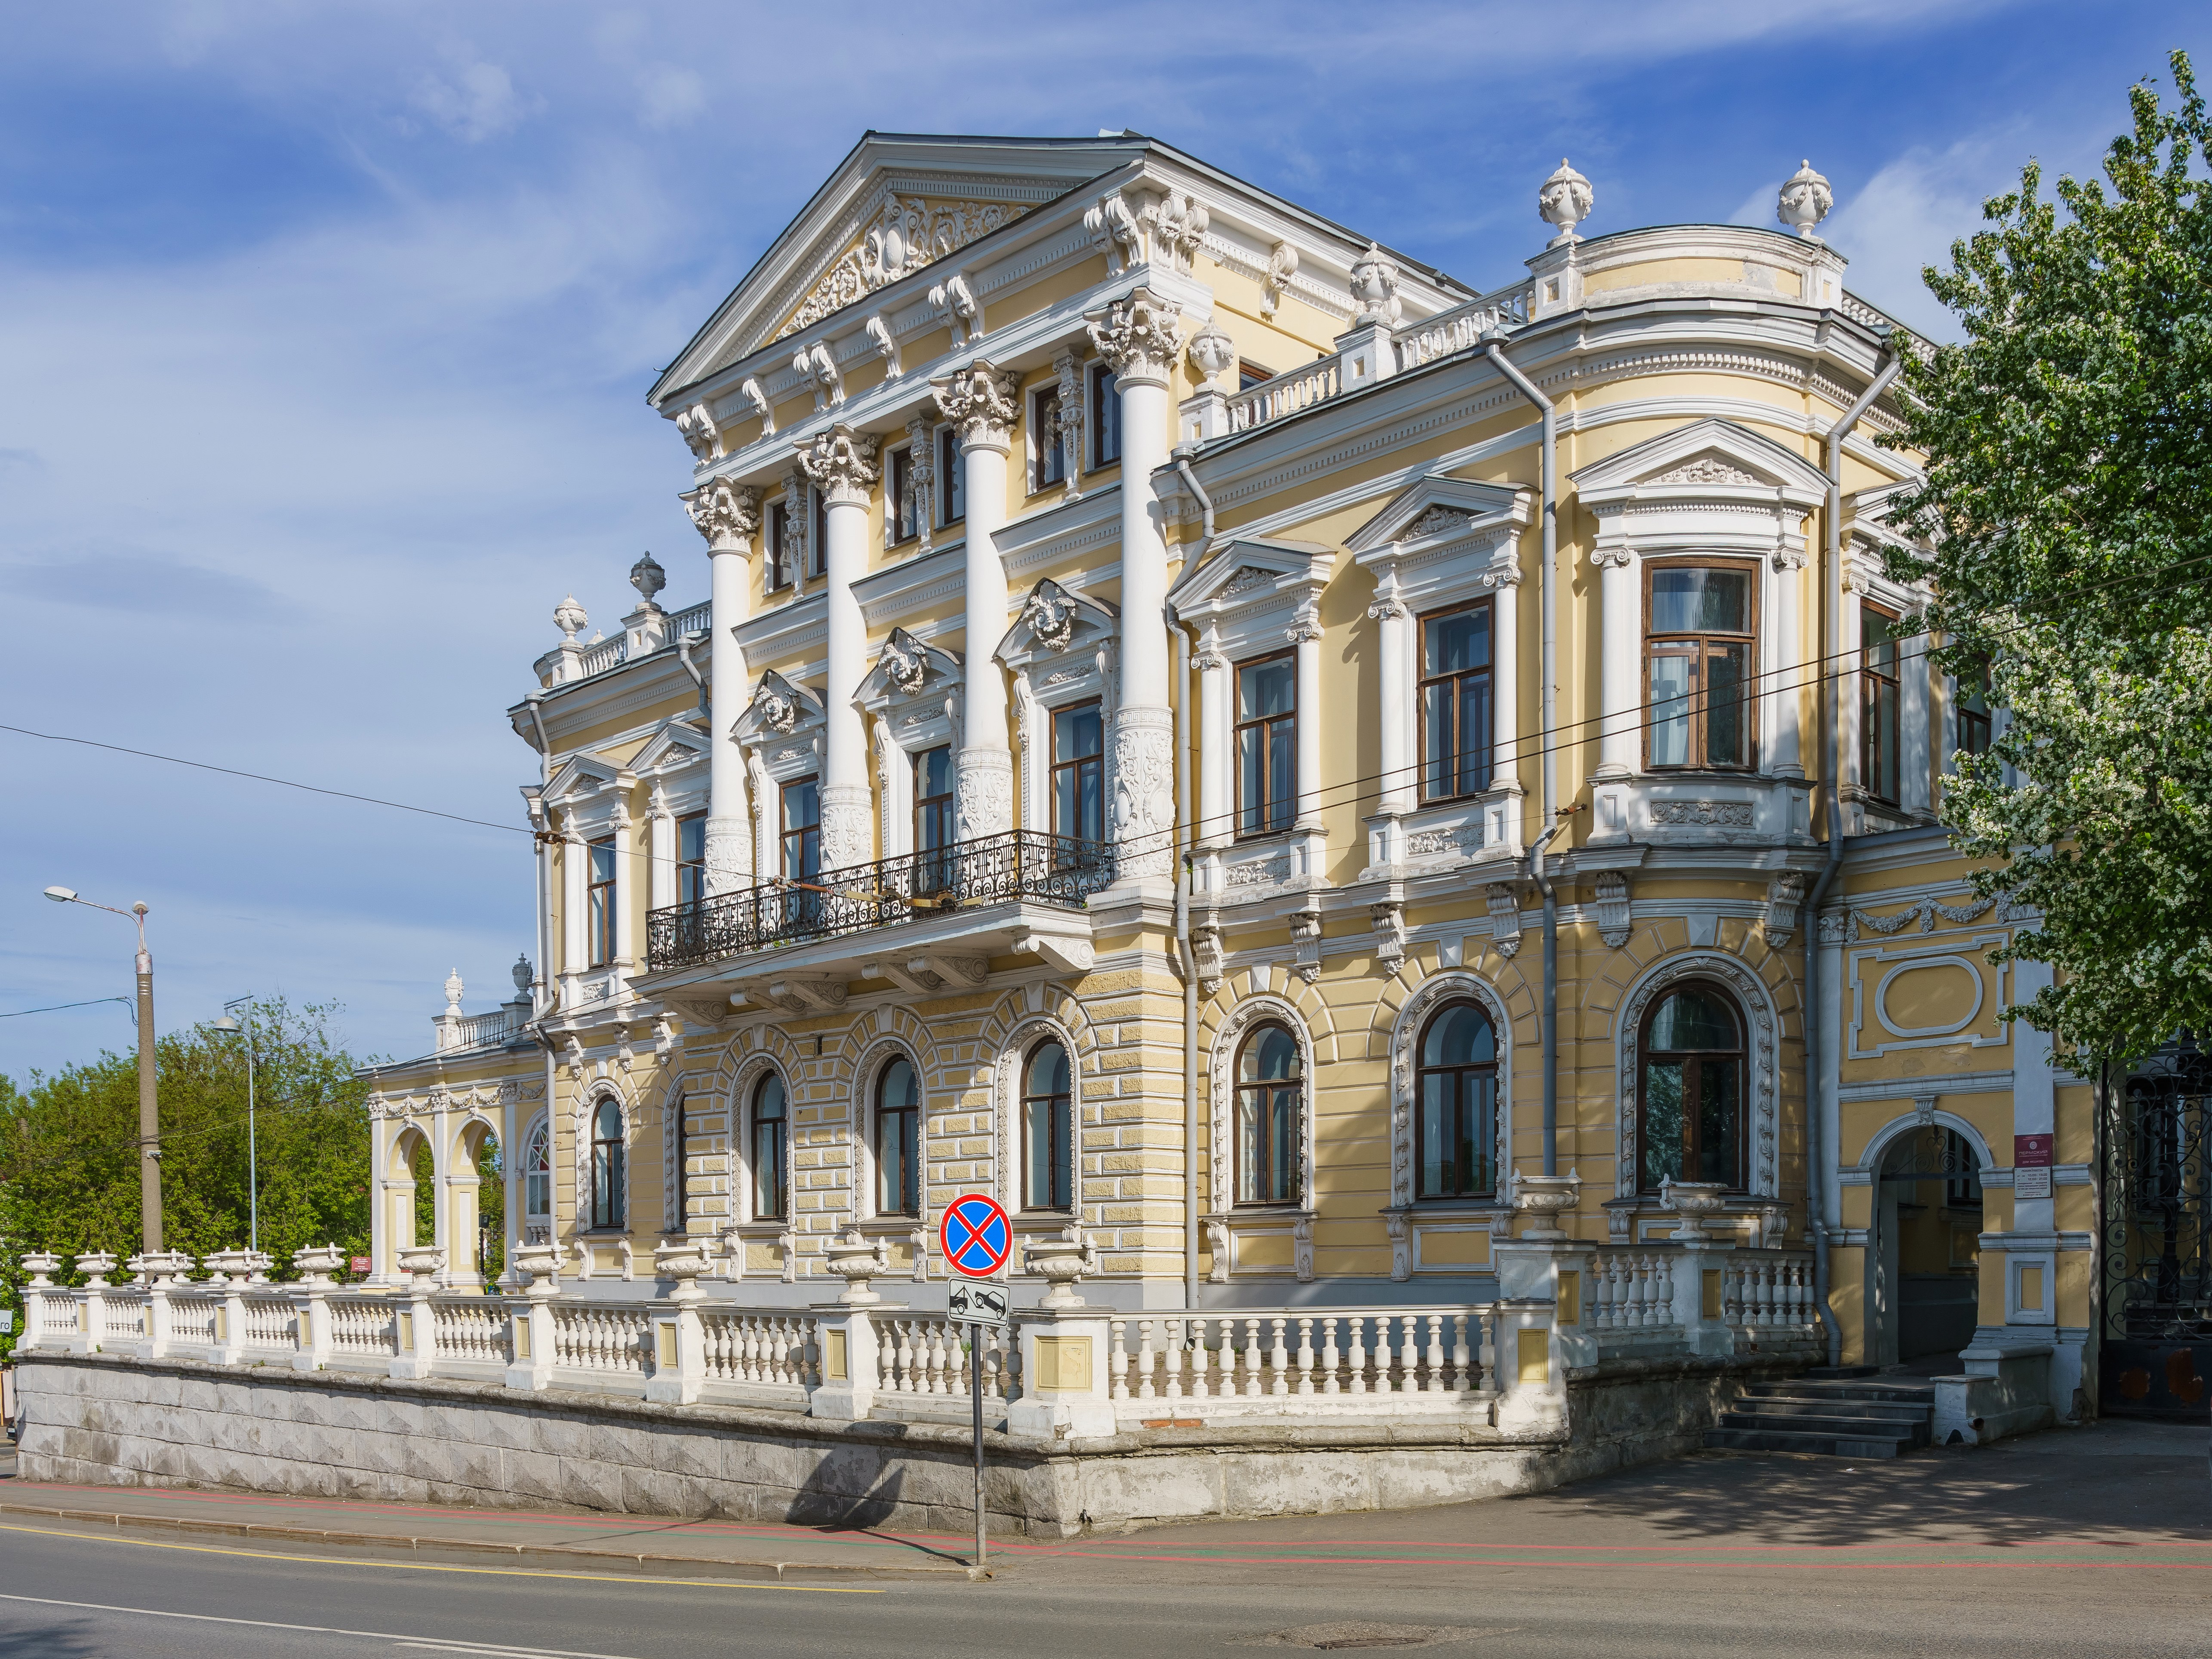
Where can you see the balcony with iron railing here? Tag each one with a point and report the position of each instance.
(967, 888)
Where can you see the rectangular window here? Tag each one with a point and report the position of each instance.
(691, 859)
(1048, 444)
(1251, 374)
(1878, 679)
(818, 539)
(1700, 641)
(1267, 745)
(1105, 416)
(898, 1157)
(771, 1148)
(951, 479)
(776, 554)
(1456, 708)
(1078, 773)
(600, 900)
(1973, 709)
(898, 503)
(681, 1128)
(802, 830)
(933, 821)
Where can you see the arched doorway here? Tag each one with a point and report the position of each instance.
(409, 1196)
(476, 1207)
(1924, 1296)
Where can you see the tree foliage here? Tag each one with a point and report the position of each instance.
(2068, 503)
(68, 1158)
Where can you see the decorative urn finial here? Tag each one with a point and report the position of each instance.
(1565, 201)
(1806, 199)
(647, 577)
(570, 618)
(453, 991)
(522, 974)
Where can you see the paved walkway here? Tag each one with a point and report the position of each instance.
(2116, 1493)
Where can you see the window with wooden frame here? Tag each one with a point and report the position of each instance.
(1690, 1109)
(1105, 417)
(1249, 374)
(538, 1184)
(1455, 705)
(1267, 744)
(1879, 688)
(901, 522)
(609, 1191)
(1973, 712)
(898, 1139)
(1700, 652)
(600, 902)
(775, 550)
(1078, 772)
(1048, 1129)
(680, 1127)
(1455, 1089)
(1047, 443)
(934, 864)
(771, 1146)
(801, 803)
(1271, 1092)
(951, 479)
(691, 858)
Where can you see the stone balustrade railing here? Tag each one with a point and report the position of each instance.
(1343, 1360)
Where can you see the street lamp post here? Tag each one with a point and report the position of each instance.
(229, 1025)
(149, 1132)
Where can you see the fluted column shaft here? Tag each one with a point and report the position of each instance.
(841, 464)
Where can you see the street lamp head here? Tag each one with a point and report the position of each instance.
(139, 909)
(62, 895)
(228, 1026)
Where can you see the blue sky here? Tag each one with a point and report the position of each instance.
(326, 328)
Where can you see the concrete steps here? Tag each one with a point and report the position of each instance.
(1834, 1417)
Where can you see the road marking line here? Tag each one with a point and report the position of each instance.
(436, 1566)
(314, 1629)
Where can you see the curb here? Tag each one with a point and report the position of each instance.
(539, 1553)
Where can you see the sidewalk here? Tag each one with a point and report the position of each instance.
(582, 1538)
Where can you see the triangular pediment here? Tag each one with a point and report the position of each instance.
(907, 668)
(676, 745)
(1709, 458)
(1054, 623)
(898, 204)
(580, 777)
(779, 709)
(1431, 507)
(1248, 570)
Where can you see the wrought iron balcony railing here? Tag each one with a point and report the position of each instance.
(1021, 864)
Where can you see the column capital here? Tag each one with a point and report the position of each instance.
(841, 463)
(1607, 558)
(982, 402)
(725, 513)
(1139, 337)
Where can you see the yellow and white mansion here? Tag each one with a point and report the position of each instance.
(1206, 728)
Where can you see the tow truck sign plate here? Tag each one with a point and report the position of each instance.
(976, 1305)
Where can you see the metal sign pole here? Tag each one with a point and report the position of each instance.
(975, 1397)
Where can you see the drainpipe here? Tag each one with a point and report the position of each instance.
(1189, 966)
(684, 655)
(1829, 716)
(1547, 601)
(536, 700)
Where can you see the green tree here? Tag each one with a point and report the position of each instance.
(2068, 503)
(69, 1178)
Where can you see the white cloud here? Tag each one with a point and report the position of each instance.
(474, 102)
(669, 98)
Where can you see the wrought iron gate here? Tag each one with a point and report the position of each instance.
(2157, 1191)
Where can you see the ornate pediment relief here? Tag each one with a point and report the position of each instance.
(906, 234)
(779, 709)
(1054, 621)
(1706, 469)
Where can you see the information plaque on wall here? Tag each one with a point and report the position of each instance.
(2030, 1166)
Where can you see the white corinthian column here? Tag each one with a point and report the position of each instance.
(1140, 337)
(727, 515)
(983, 403)
(841, 463)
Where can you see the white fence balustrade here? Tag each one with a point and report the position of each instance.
(768, 1348)
(1768, 1292)
(195, 1320)
(1462, 326)
(471, 1329)
(361, 1327)
(270, 1322)
(1632, 1291)
(927, 1354)
(1287, 393)
(1439, 1351)
(124, 1318)
(602, 1337)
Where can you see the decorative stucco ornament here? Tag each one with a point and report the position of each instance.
(1565, 201)
(1375, 289)
(1212, 353)
(1806, 199)
(570, 617)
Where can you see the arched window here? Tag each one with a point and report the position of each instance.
(771, 1145)
(1456, 1124)
(608, 1181)
(537, 1185)
(898, 1139)
(1692, 1099)
(1048, 1131)
(1270, 1098)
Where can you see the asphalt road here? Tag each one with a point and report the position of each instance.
(2066, 1544)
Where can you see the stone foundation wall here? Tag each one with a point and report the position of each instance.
(103, 1420)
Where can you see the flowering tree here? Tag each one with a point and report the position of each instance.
(2068, 503)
